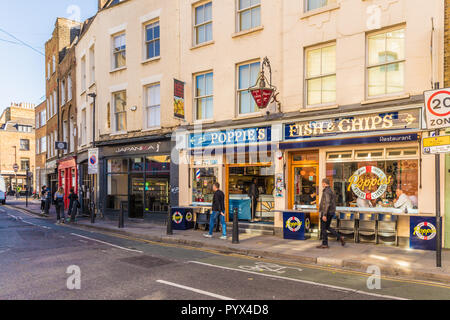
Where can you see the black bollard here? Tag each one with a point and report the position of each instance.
(235, 227)
(121, 216)
(169, 222)
(92, 213)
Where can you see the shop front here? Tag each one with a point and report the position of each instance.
(139, 174)
(52, 176)
(372, 160)
(67, 176)
(241, 160)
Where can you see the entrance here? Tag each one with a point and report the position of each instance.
(304, 182)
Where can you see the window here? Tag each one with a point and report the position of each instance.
(248, 74)
(108, 115)
(203, 23)
(71, 136)
(54, 64)
(119, 51)
(386, 63)
(24, 144)
(120, 112)
(321, 75)
(204, 96)
(249, 14)
(37, 121)
(203, 180)
(22, 128)
(83, 127)
(63, 92)
(153, 106)
(152, 40)
(43, 144)
(83, 74)
(24, 164)
(65, 134)
(69, 88)
(92, 64)
(38, 142)
(49, 70)
(55, 103)
(316, 4)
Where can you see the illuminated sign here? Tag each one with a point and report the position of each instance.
(369, 183)
(408, 119)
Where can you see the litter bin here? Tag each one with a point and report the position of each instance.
(294, 225)
(182, 218)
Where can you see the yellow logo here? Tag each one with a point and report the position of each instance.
(293, 224)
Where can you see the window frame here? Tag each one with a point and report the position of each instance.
(154, 40)
(114, 53)
(306, 5)
(114, 113)
(204, 23)
(83, 74)
(238, 91)
(368, 67)
(28, 145)
(148, 107)
(321, 76)
(250, 8)
(197, 98)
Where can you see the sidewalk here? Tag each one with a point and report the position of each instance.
(393, 261)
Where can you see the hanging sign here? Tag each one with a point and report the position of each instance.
(93, 161)
(178, 100)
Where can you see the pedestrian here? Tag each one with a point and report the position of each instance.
(59, 204)
(327, 210)
(253, 193)
(48, 201)
(73, 205)
(218, 209)
(43, 196)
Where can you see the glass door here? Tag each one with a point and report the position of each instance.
(136, 201)
(305, 186)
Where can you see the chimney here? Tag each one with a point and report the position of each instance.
(101, 4)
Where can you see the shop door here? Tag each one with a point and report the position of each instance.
(304, 186)
(156, 195)
(136, 201)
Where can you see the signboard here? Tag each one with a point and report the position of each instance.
(93, 161)
(407, 119)
(262, 97)
(178, 100)
(434, 145)
(437, 108)
(230, 137)
(422, 233)
(61, 145)
(294, 225)
(369, 183)
(182, 219)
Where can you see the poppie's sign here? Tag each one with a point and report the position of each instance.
(369, 183)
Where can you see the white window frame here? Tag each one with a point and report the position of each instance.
(83, 73)
(114, 113)
(240, 11)
(146, 42)
(204, 23)
(321, 76)
(63, 92)
(91, 65)
(384, 31)
(148, 108)
(238, 91)
(83, 124)
(114, 53)
(328, 2)
(69, 87)
(43, 144)
(197, 98)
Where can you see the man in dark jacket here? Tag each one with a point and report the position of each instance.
(253, 193)
(218, 208)
(327, 210)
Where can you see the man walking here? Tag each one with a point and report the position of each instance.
(327, 211)
(218, 208)
(253, 193)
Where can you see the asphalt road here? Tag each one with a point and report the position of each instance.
(36, 256)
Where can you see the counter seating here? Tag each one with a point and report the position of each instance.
(387, 228)
(347, 224)
(367, 227)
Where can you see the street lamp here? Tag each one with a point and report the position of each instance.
(262, 93)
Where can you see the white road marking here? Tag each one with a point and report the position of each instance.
(206, 293)
(107, 243)
(303, 281)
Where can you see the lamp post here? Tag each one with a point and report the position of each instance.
(93, 96)
(264, 92)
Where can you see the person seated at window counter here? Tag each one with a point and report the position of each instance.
(403, 202)
(308, 197)
(363, 203)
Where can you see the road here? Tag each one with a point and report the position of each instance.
(35, 255)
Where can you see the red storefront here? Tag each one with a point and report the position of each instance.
(67, 177)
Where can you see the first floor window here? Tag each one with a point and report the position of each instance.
(248, 74)
(119, 51)
(321, 75)
(203, 23)
(316, 4)
(249, 14)
(204, 96)
(24, 164)
(120, 111)
(152, 40)
(153, 106)
(24, 144)
(83, 127)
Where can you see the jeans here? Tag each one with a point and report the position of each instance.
(59, 210)
(212, 221)
(325, 227)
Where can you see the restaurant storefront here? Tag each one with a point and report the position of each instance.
(67, 177)
(139, 174)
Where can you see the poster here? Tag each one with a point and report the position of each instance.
(178, 100)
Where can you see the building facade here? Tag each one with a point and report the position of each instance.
(17, 138)
(40, 177)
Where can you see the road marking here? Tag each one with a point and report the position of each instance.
(302, 281)
(107, 243)
(206, 293)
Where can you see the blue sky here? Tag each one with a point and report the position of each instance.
(22, 69)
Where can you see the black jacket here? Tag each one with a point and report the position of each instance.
(253, 191)
(327, 205)
(218, 203)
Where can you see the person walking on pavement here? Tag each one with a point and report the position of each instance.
(218, 208)
(327, 210)
(59, 204)
(253, 193)
(48, 201)
(43, 197)
(73, 205)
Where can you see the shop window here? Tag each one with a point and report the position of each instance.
(117, 190)
(336, 156)
(202, 184)
(117, 165)
(158, 165)
(313, 156)
(401, 152)
(369, 154)
(136, 164)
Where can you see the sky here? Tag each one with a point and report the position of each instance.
(22, 69)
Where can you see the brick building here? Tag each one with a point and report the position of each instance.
(17, 138)
(41, 146)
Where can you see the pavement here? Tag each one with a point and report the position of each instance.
(392, 261)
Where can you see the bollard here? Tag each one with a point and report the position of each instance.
(121, 216)
(235, 227)
(169, 222)
(92, 213)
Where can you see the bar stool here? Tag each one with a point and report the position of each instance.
(347, 224)
(367, 227)
(387, 228)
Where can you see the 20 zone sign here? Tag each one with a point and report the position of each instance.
(437, 108)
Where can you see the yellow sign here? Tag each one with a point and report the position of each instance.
(436, 141)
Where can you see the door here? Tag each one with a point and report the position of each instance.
(304, 186)
(136, 201)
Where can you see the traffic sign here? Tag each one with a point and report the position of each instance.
(437, 108)
(435, 145)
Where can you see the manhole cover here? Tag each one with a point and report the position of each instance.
(146, 261)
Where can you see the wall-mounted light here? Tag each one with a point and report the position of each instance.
(133, 108)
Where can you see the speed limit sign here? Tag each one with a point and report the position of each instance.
(437, 108)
